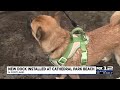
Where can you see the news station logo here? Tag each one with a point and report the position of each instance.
(104, 69)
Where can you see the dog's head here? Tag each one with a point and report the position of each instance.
(48, 33)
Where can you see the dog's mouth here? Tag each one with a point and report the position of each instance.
(50, 52)
(54, 50)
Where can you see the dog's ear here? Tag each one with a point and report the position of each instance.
(40, 33)
(57, 16)
(115, 18)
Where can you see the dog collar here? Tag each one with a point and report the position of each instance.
(78, 40)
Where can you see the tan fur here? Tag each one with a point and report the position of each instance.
(104, 41)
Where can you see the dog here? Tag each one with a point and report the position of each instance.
(53, 39)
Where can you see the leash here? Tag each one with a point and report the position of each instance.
(72, 22)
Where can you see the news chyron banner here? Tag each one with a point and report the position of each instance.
(59, 70)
